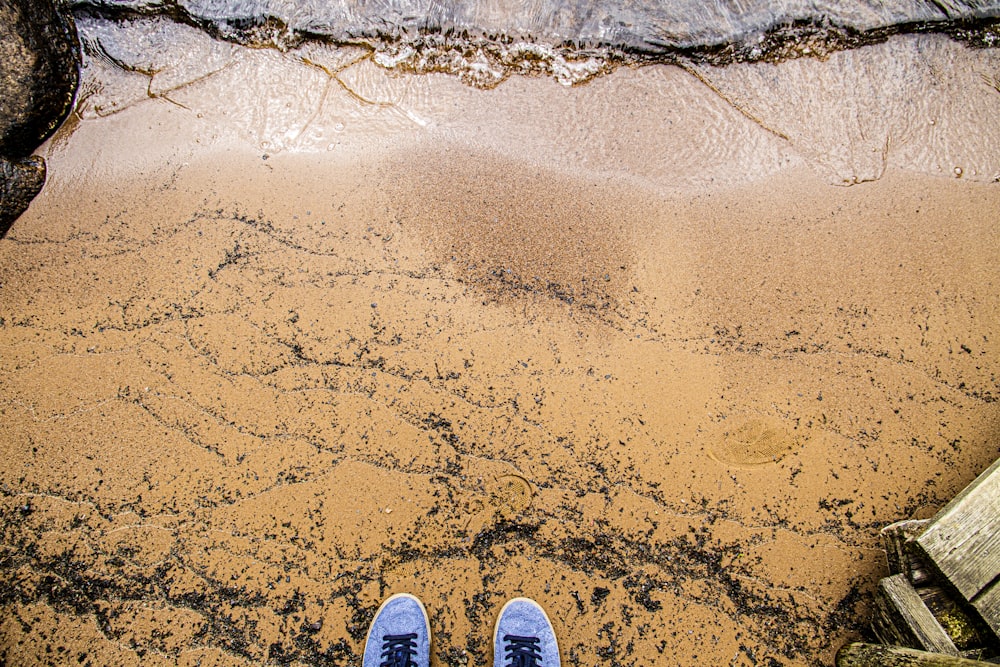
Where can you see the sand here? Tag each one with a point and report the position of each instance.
(249, 390)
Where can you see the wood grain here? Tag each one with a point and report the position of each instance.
(902, 618)
(963, 539)
(873, 655)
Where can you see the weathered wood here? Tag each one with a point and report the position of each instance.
(900, 555)
(874, 655)
(963, 542)
(902, 618)
(987, 603)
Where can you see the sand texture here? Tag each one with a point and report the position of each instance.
(246, 393)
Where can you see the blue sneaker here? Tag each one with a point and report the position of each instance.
(523, 636)
(400, 635)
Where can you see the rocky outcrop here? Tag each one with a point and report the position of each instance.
(39, 72)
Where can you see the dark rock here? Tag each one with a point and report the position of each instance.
(20, 180)
(39, 73)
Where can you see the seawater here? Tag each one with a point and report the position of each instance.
(323, 76)
(486, 40)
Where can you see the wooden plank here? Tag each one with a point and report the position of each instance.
(902, 618)
(874, 655)
(987, 604)
(963, 539)
(900, 554)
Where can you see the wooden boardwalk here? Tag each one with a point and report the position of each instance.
(941, 604)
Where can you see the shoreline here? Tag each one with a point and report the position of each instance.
(485, 44)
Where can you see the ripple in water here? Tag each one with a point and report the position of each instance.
(486, 41)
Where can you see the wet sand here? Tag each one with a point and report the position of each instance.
(248, 393)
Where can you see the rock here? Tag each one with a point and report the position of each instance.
(39, 72)
(20, 181)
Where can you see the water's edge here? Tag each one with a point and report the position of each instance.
(573, 45)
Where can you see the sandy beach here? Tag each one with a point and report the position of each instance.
(266, 359)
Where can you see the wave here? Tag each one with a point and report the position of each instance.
(485, 41)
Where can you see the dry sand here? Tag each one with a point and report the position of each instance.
(246, 395)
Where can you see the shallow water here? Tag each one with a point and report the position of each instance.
(720, 30)
(919, 102)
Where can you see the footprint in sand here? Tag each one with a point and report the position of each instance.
(510, 496)
(752, 442)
